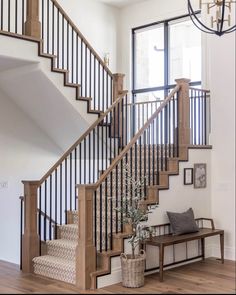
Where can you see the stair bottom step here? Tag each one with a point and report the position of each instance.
(55, 268)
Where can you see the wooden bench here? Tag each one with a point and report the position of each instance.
(164, 240)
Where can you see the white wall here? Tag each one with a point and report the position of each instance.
(222, 84)
(219, 77)
(98, 23)
(26, 153)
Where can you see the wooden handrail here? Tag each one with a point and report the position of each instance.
(95, 124)
(133, 141)
(62, 11)
(202, 90)
(47, 217)
(144, 102)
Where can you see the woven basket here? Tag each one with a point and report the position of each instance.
(133, 270)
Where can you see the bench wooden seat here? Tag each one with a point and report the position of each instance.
(162, 241)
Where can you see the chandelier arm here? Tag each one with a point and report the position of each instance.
(222, 18)
(230, 30)
(192, 15)
(199, 27)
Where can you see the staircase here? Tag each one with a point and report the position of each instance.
(70, 229)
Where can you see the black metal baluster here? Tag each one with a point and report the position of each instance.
(68, 48)
(72, 56)
(45, 210)
(106, 217)
(205, 119)
(90, 74)
(121, 193)
(89, 158)
(85, 166)
(65, 190)
(61, 194)
(58, 38)
(177, 119)
(9, 15)
(16, 14)
(195, 118)
(199, 118)
(47, 26)
(55, 204)
(53, 29)
(81, 71)
(99, 84)
(77, 58)
(98, 150)
(111, 209)
(153, 154)
(166, 135)
(149, 155)
(94, 159)
(101, 228)
(103, 87)
(95, 218)
(162, 141)
(50, 209)
(86, 70)
(94, 90)
(117, 201)
(2, 17)
(70, 181)
(102, 140)
(40, 217)
(80, 164)
(75, 182)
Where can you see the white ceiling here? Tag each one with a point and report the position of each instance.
(120, 3)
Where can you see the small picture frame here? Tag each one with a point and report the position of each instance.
(188, 176)
(200, 175)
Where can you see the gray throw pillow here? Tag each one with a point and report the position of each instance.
(182, 223)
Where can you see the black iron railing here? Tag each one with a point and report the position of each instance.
(85, 161)
(199, 116)
(146, 155)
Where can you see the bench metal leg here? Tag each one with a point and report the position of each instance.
(203, 248)
(222, 247)
(161, 261)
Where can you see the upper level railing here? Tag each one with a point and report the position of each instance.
(46, 20)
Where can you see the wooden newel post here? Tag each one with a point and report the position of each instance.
(183, 112)
(30, 239)
(32, 24)
(85, 251)
(118, 88)
(118, 85)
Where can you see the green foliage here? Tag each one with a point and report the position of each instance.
(132, 210)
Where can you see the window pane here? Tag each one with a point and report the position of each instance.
(185, 51)
(149, 57)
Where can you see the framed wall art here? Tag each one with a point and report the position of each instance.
(188, 176)
(200, 176)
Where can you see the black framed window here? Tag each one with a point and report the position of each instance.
(163, 52)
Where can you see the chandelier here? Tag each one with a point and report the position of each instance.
(220, 16)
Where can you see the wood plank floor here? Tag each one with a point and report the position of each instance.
(209, 277)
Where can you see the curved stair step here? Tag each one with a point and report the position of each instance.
(68, 232)
(55, 268)
(62, 248)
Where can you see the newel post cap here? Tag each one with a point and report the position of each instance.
(183, 81)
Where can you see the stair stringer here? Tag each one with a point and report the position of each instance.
(104, 258)
(64, 73)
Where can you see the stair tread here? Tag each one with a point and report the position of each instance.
(62, 242)
(54, 261)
